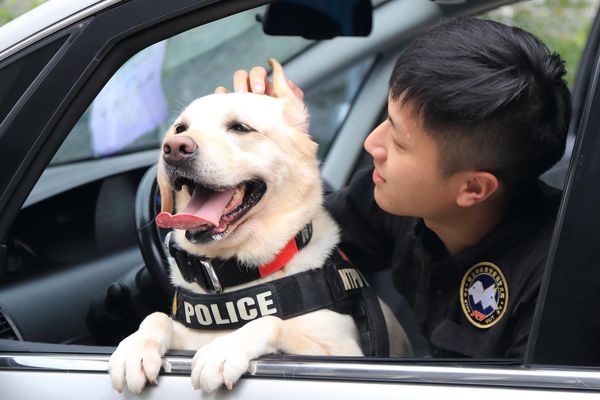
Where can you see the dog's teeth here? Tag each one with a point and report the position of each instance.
(236, 199)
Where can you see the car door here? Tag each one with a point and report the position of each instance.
(82, 58)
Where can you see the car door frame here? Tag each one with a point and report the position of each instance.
(89, 70)
(568, 289)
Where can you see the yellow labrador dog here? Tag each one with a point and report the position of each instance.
(253, 247)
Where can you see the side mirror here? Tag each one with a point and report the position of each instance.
(318, 19)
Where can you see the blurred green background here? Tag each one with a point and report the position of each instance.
(562, 24)
(11, 9)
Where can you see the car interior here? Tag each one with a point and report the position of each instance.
(83, 258)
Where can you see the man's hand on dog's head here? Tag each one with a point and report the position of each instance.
(256, 81)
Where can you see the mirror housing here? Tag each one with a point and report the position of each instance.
(318, 19)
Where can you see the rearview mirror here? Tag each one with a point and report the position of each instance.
(322, 19)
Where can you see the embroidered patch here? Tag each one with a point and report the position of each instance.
(483, 294)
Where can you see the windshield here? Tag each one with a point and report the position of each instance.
(137, 105)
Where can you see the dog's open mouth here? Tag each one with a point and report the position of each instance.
(211, 211)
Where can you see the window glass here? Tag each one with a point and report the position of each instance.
(136, 106)
(329, 103)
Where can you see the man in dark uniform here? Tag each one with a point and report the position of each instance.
(436, 283)
(477, 111)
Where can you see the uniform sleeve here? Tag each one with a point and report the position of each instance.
(526, 300)
(521, 333)
(365, 237)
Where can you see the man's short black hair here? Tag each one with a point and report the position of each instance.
(492, 96)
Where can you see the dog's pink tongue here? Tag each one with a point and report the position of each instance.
(205, 207)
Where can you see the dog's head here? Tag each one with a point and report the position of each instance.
(244, 172)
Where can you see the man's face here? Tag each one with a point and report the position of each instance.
(407, 176)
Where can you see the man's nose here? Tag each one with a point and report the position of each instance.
(178, 148)
(373, 143)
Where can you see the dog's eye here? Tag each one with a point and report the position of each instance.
(239, 127)
(180, 128)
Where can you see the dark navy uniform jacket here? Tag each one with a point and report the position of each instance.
(477, 303)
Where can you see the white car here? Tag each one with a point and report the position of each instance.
(81, 259)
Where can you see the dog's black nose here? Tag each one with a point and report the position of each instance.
(179, 148)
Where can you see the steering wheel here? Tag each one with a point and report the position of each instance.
(151, 238)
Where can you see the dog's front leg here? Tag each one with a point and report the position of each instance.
(138, 358)
(226, 358)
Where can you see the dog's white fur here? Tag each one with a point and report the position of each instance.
(283, 155)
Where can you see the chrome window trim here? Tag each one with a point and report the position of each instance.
(57, 26)
(514, 377)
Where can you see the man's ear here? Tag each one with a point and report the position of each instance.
(295, 113)
(477, 187)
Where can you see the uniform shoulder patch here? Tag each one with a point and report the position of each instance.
(483, 294)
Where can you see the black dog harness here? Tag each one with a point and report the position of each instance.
(338, 286)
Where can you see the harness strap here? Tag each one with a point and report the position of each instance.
(337, 286)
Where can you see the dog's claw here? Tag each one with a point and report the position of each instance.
(166, 366)
(136, 361)
(220, 363)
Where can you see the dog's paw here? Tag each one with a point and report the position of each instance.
(136, 361)
(221, 362)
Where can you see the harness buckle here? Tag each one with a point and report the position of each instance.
(211, 275)
(198, 270)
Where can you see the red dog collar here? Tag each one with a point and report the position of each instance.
(216, 274)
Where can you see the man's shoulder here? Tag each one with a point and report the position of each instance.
(531, 229)
(538, 207)
(545, 211)
(522, 239)
(549, 194)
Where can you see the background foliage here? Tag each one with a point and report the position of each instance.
(562, 24)
(11, 9)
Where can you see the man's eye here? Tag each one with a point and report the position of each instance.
(179, 128)
(239, 127)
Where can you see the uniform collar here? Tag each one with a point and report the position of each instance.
(532, 208)
(215, 274)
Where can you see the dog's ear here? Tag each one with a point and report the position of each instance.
(280, 85)
(166, 194)
(295, 112)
